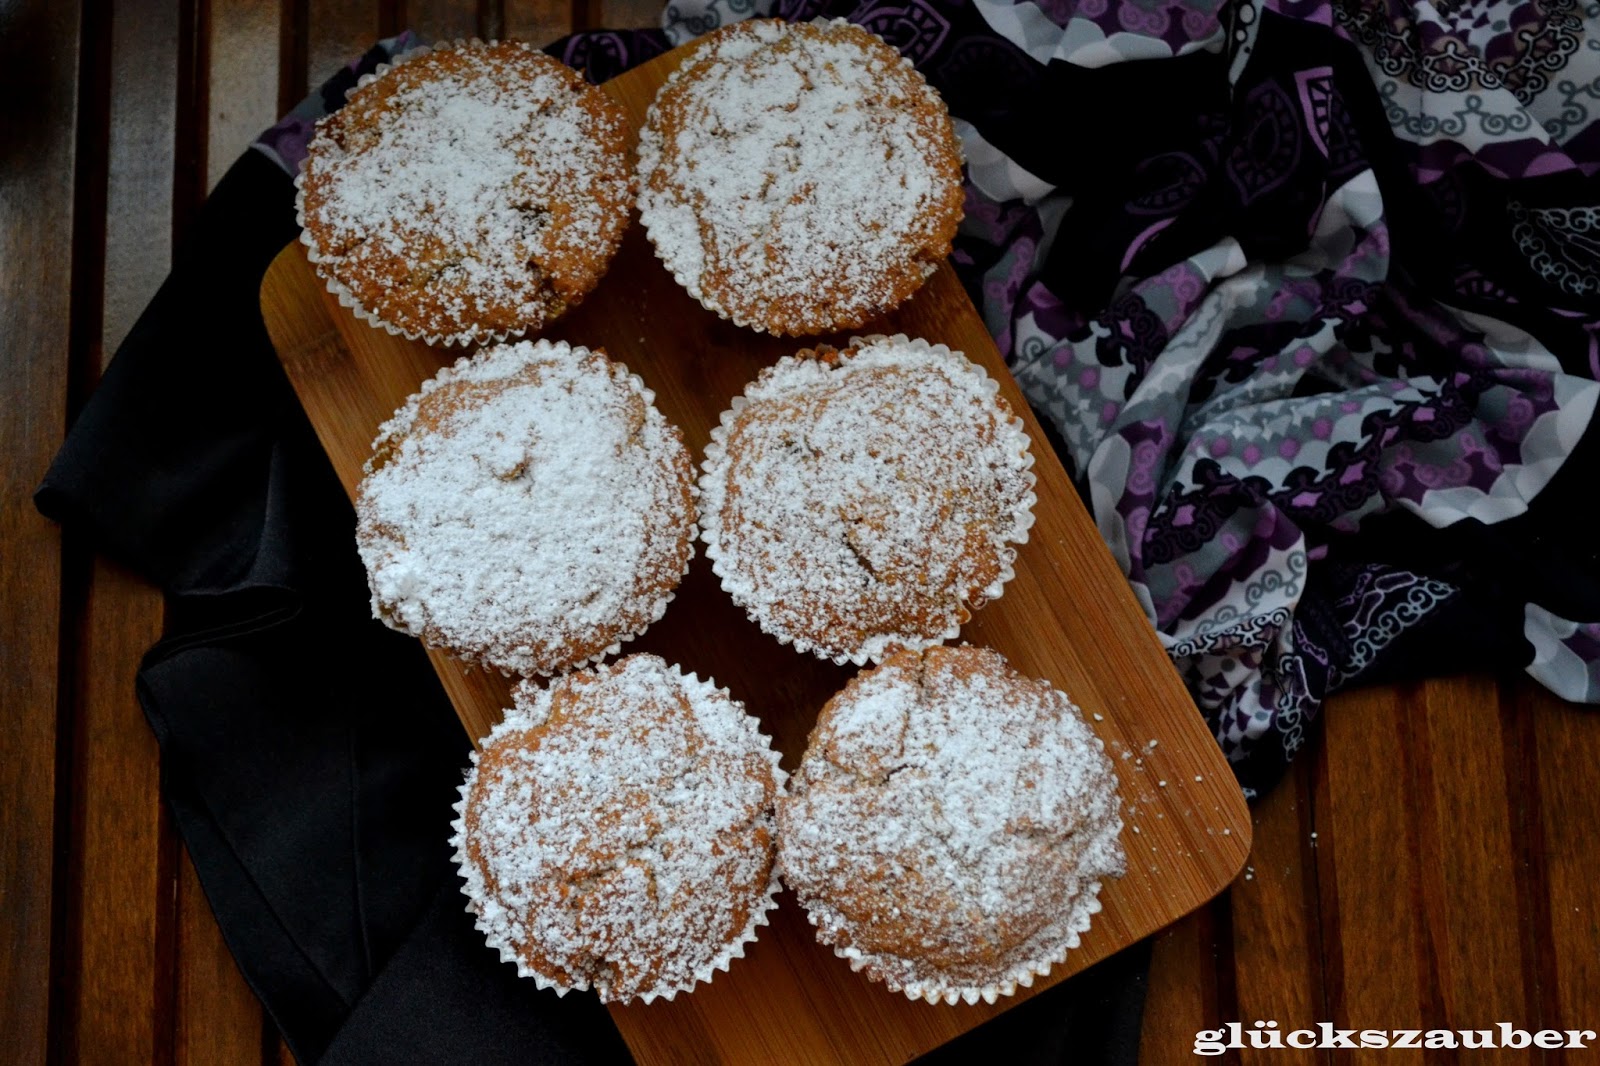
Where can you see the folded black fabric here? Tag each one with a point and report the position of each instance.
(309, 756)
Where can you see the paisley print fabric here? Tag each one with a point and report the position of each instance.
(1309, 291)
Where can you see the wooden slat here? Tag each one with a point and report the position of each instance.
(38, 50)
(1277, 945)
(630, 14)
(294, 54)
(243, 74)
(338, 32)
(1567, 744)
(143, 128)
(218, 1021)
(539, 21)
(1182, 998)
(116, 951)
(443, 20)
(1469, 890)
(1530, 869)
(123, 1013)
(1369, 864)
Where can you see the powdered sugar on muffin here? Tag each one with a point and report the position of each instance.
(469, 192)
(528, 509)
(950, 824)
(799, 177)
(617, 831)
(861, 500)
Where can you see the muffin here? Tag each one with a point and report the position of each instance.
(799, 177)
(468, 193)
(950, 825)
(529, 509)
(616, 832)
(860, 500)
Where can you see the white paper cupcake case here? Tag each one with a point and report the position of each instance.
(620, 372)
(340, 291)
(877, 647)
(473, 882)
(649, 152)
(931, 990)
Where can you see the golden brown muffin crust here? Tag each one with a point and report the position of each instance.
(617, 831)
(799, 177)
(949, 823)
(860, 499)
(470, 192)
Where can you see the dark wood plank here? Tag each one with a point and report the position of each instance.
(1567, 740)
(539, 21)
(294, 54)
(338, 32)
(245, 58)
(1277, 948)
(1469, 892)
(1368, 864)
(1182, 998)
(119, 854)
(142, 140)
(1530, 871)
(630, 14)
(443, 20)
(218, 1021)
(122, 1011)
(190, 149)
(38, 55)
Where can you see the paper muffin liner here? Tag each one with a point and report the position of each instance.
(934, 990)
(649, 140)
(340, 291)
(879, 646)
(760, 915)
(619, 372)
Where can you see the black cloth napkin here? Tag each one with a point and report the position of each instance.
(309, 756)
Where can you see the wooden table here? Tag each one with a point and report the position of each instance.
(1431, 862)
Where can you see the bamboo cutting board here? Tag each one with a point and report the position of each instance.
(1068, 616)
